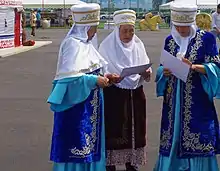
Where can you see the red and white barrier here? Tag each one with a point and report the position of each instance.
(10, 24)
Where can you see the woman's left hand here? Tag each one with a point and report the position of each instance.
(186, 61)
(195, 67)
(146, 75)
(199, 68)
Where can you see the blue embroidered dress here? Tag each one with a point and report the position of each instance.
(189, 138)
(78, 134)
(78, 140)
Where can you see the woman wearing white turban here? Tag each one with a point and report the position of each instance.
(190, 136)
(125, 103)
(78, 141)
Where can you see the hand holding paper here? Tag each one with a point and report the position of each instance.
(146, 75)
(135, 70)
(113, 78)
(178, 68)
(186, 61)
(167, 72)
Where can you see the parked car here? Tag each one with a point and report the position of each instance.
(106, 16)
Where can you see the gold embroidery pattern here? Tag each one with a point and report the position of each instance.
(191, 141)
(94, 118)
(184, 18)
(89, 17)
(171, 46)
(129, 18)
(166, 134)
(165, 142)
(124, 23)
(125, 12)
(196, 46)
(212, 59)
(92, 138)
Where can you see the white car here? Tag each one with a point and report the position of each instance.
(106, 16)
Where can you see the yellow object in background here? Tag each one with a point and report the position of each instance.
(204, 21)
(150, 22)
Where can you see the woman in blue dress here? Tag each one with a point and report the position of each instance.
(78, 141)
(189, 138)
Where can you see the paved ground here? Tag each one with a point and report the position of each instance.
(26, 122)
(13, 51)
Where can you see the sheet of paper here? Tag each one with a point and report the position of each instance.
(176, 66)
(135, 70)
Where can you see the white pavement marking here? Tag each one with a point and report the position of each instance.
(13, 51)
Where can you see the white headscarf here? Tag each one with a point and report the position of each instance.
(79, 32)
(77, 56)
(183, 15)
(183, 42)
(120, 55)
(95, 41)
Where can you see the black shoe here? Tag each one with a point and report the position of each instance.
(110, 168)
(129, 167)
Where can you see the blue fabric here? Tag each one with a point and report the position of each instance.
(38, 16)
(70, 91)
(211, 81)
(161, 82)
(94, 166)
(77, 131)
(173, 163)
(78, 141)
(199, 127)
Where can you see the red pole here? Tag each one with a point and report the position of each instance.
(17, 29)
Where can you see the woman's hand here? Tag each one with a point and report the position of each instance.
(167, 72)
(146, 75)
(195, 67)
(114, 78)
(102, 82)
(199, 68)
(186, 61)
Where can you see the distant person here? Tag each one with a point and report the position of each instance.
(33, 20)
(216, 22)
(25, 42)
(38, 16)
(70, 21)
